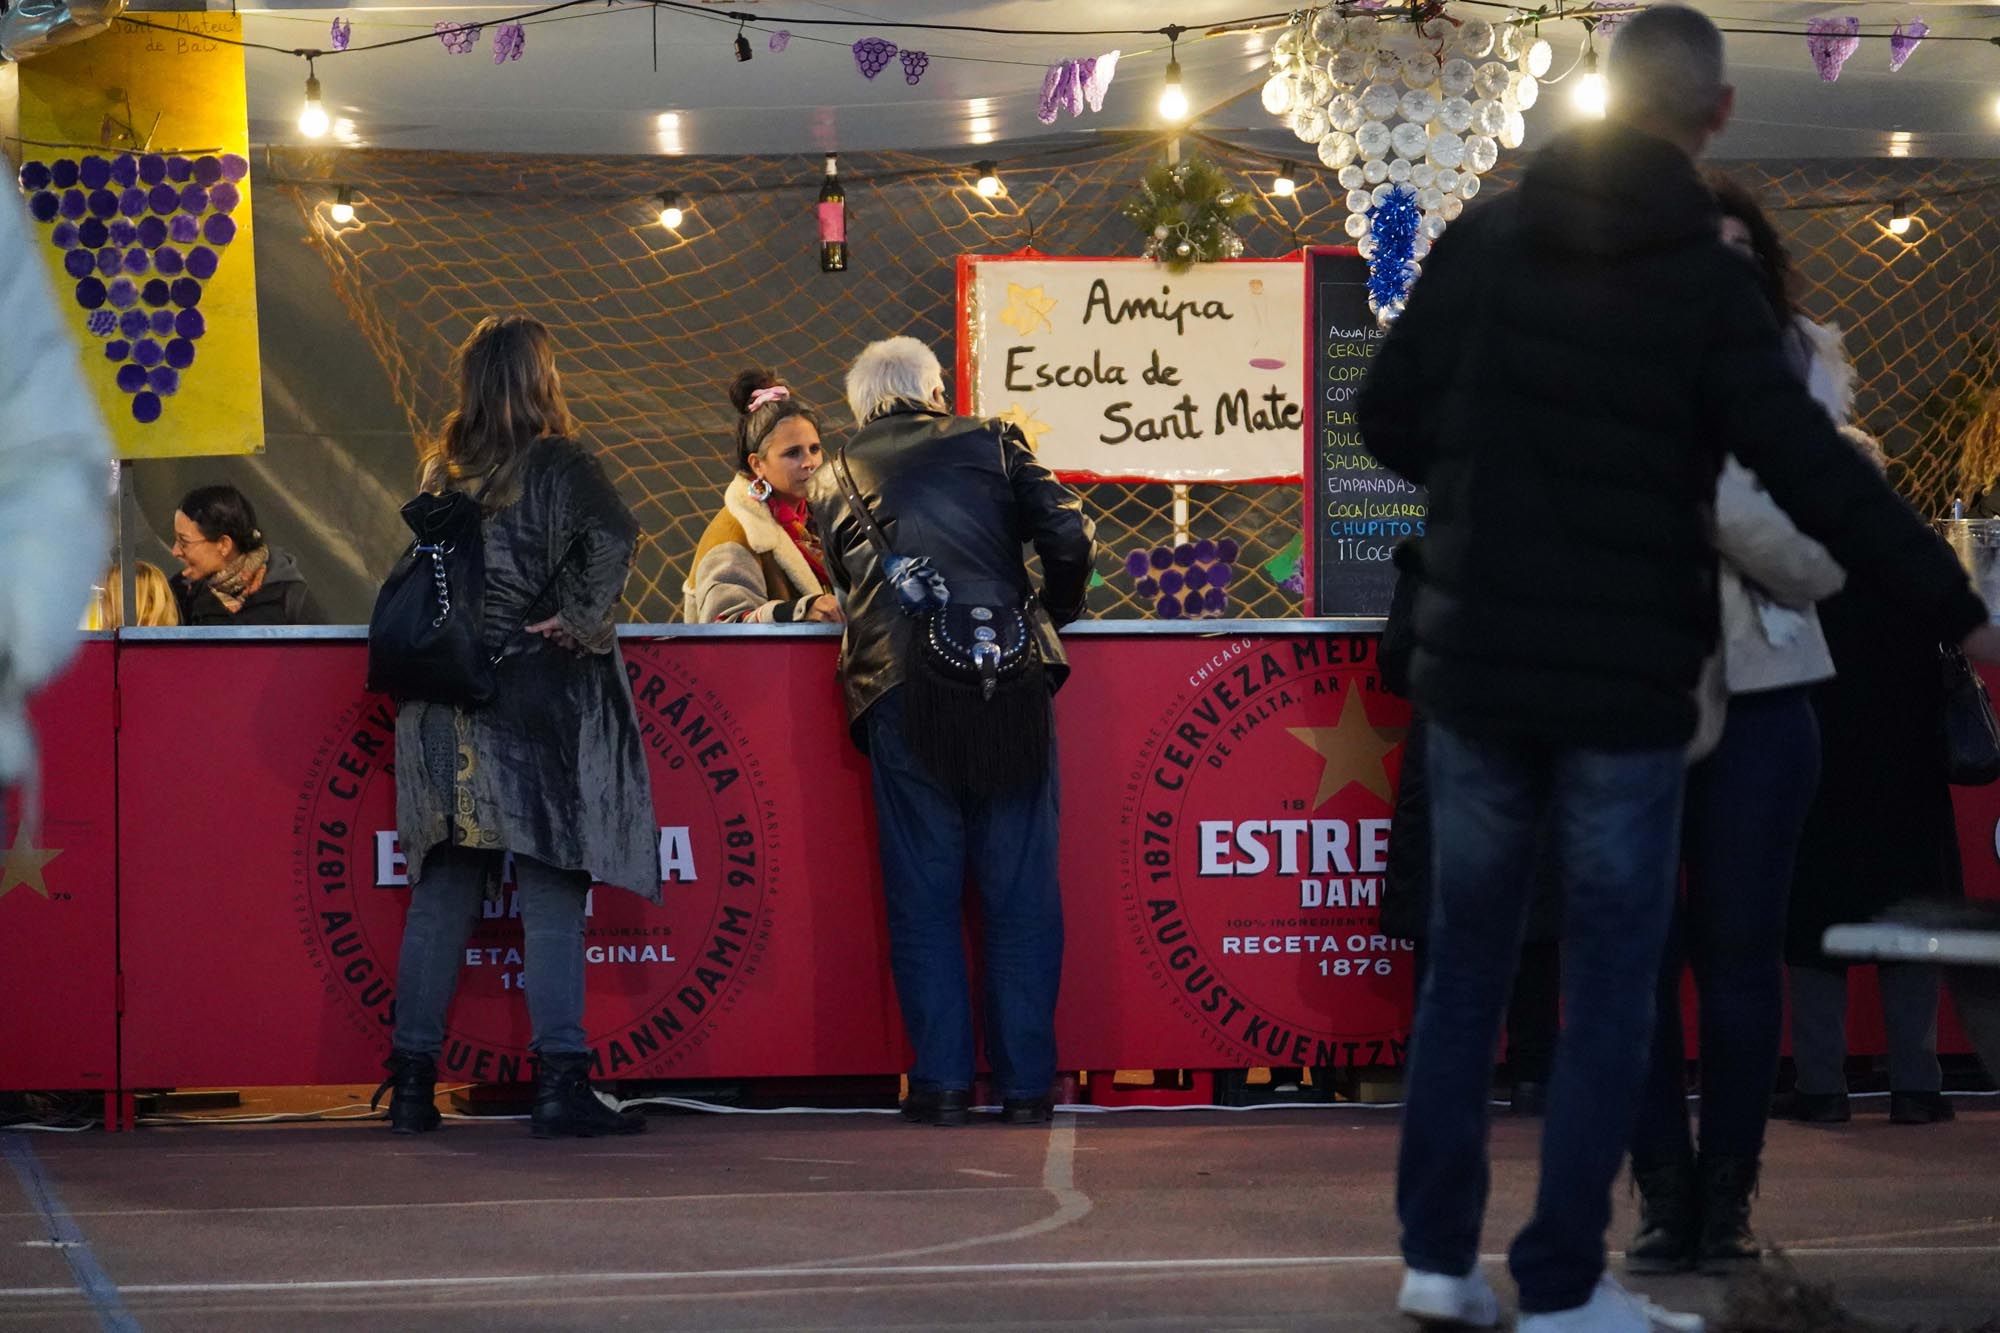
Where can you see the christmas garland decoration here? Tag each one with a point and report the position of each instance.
(1392, 263)
(1186, 211)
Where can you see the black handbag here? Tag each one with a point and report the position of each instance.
(1971, 735)
(426, 635)
(976, 708)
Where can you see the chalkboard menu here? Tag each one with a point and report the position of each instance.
(1356, 511)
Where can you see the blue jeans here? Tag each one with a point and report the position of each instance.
(444, 904)
(1746, 806)
(1615, 821)
(932, 839)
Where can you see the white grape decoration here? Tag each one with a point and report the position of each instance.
(1386, 103)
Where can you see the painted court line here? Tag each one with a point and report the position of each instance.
(91, 1279)
(1053, 1268)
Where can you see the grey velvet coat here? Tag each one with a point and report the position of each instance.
(553, 768)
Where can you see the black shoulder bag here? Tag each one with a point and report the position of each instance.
(426, 634)
(1971, 736)
(976, 708)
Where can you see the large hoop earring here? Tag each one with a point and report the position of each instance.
(760, 490)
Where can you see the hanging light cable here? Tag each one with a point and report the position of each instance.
(742, 45)
(313, 121)
(1592, 95)
(1173, 99)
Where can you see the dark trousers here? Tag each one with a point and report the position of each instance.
(1615, 821)
(1746, 806)
(932, 838)
(1534, 1009)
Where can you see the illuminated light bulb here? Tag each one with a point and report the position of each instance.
(1901, 215)
(1285, 184)
(1173, 100)
(989, 186)
(342, 211)
(1592, 96)
(313, 120)
(671, 213)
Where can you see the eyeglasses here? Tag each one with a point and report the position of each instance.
(184, 544)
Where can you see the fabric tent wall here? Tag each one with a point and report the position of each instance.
(652, 324)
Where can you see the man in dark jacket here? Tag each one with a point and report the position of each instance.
(967, 495)
(1572, 367)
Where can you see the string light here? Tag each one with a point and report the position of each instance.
(1285, 184)
(342, 211)
(989, 186)
(1592, 95)
(671, 212)
(1901, 214)
(313, 121)
(1173, 100)
(742, 45)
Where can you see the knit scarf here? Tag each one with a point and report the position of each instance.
(796, 519)
(239, 578)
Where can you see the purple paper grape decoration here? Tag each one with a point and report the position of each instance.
(34, 175)
(117, 350)
(1062, 89)
(190, 324)
(194, 199)
(458, 38)
(125, 170)
(168, 260)
(180, 353)
(509, 40)
(152, 169)
(1148, 587)
(780, 39)
(109, 261)
(162, 323)
(146, 408)
(1184, 554)
(179, 170)
(137, 261)
(223, 197)
(1903, 42)
(102, 323)
(1168, 607)
(133, 324)
(1831, 41)
(131, 378)
(914, 65)
(341, 35)
(235, 166)
(218, 229)
(154, 293)
(873, 54)
(1295, 582)
(1215, 601)
(163, 380)
(80, 263)
(43, 206)
(93, 173)
(148, 353)
(1221, 575)
(201, 263)
(165, 199)
(186, 292)
(73, 206)
(122, 232)
(91, 234)
(184, 229)
(1172, 581)
(1162, 556)
(1197, 577)
(1135, 565)
(63, 174)
(132, 203)
(1204, 551)
(103, 204)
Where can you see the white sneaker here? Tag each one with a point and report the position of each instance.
(1611, 1309)
(1435, 1299)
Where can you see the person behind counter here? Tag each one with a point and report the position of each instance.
(552, 769)
(229, 574)
(760, 562)
(153, 600)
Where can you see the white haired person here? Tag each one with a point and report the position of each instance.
(54, 457)
(760, 561)
(951, 700)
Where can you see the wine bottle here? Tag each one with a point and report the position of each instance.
(832, 220)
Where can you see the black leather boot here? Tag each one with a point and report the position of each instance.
(1726, 1241)
(567, 1107)
(412, 1085)
(1669, 1223)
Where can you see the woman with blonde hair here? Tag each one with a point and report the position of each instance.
(552, 770)
(152, 599)
(760, 562)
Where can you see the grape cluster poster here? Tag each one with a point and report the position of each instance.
(134, 165)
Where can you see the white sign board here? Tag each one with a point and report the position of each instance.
(1119, 370)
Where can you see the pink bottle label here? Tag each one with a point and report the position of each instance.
(832, 222)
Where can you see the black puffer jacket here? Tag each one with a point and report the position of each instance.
(1573, 365)
(968, 494)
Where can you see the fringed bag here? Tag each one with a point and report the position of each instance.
(976, 710)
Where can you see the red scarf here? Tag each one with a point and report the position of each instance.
(796, 519)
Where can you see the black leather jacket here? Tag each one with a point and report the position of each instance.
(968, 494)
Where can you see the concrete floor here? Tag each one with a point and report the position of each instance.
(1269, 1220)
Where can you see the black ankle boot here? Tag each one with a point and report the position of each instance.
(413, 1101)
(1726, 1241)
(1669, 1223)
(567, 1107)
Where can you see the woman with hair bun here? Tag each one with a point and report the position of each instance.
(761, 562)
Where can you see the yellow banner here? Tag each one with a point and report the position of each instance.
(135, 165)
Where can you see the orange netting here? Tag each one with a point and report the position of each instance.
(652, 324)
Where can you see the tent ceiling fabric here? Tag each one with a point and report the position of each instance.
(586, 84)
